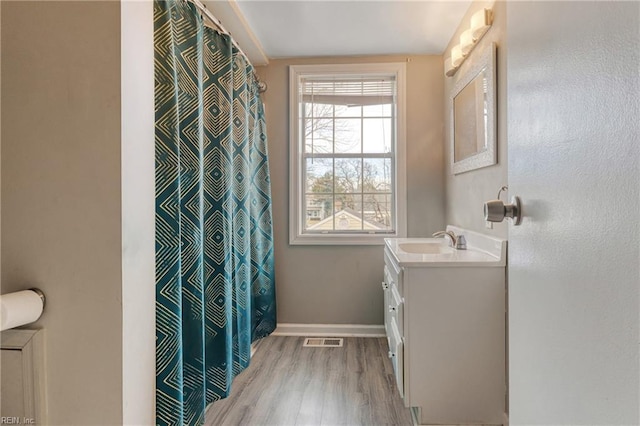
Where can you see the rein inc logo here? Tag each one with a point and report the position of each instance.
(17, 421)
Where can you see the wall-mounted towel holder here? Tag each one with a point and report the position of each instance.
(21, 308)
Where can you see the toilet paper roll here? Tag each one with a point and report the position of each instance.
(20, 308)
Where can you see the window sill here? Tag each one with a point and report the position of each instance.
(340, 240)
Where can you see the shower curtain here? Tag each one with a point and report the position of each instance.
(214, 242)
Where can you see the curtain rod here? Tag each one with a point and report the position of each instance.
(262, 86)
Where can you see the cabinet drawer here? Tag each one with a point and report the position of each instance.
(392, 273)
(396, 354)
(387, 277)
(395, 307)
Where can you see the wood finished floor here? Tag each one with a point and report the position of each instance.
(287, 384)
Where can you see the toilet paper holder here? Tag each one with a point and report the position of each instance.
(497, 210)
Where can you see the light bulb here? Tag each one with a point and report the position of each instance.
(466, 41)
(456, 56)
(480, 23)
(449, 69)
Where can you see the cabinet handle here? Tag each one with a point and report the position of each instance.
(392, 308)
(391, 354)
(385, 286)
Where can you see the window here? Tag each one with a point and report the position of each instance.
(347, 180)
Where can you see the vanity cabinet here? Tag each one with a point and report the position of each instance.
(445, 327)
(394, 319)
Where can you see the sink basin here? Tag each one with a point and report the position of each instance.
(482, 250)
(424, 248)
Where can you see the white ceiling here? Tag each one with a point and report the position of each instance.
(302, 28)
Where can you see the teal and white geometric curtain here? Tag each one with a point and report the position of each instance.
(215, 290)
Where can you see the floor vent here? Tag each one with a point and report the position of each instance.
(322, 342)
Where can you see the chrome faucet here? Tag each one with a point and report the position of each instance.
(458, 242)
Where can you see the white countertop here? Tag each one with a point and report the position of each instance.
(474, 255)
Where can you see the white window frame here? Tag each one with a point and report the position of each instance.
(297, 214)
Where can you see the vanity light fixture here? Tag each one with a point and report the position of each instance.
(457, 57)
(480, 23)
(466, 41)
(449, 69)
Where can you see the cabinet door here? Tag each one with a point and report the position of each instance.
(396, 353)
(396, 308)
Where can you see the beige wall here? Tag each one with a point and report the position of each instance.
(467, 192)
(61, 194)
(341, 284)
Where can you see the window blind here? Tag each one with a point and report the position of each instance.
(351, 92)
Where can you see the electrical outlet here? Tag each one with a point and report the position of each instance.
(488, 225)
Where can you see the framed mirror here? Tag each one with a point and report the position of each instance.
(473, 114)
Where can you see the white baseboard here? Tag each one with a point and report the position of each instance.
(329, 330)
(415, 418)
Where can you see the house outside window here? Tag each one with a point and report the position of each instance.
(347, 177)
